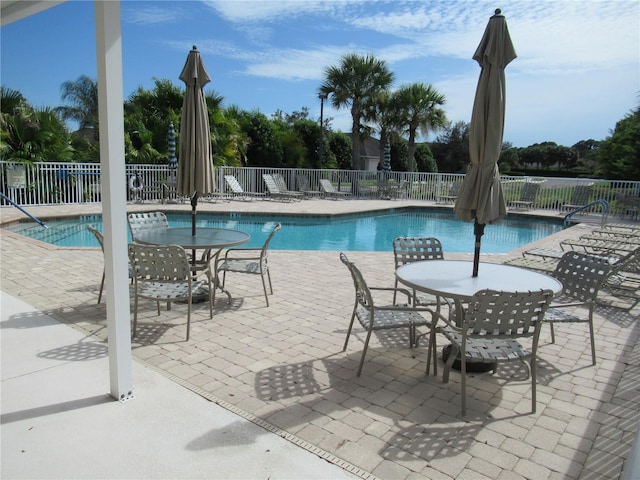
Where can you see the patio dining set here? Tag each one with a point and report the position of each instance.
(486, 320)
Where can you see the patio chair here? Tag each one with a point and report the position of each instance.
(373, 317)
(582, 276)
(144, 221)
(329, 191)
(305, 187)
(100, 238)
(491, 327)
(237, 191)
(528, 196)
(414, 249)
(451, 197)
(254, 261)
(164, 273)
(274, 191)
(579, 198)
(282, 187)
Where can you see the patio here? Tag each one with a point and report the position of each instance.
(282, 367)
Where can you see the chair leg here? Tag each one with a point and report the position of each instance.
(593, 338)
(447, 366)
(553, 333)
(269, 277)
(189, 300)
(101, 288)
(346, 341)
(463, 382)
(532, 367)
(264, 288)
(135, 315)
(364, 353)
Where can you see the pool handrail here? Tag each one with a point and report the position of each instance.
(32, 217)
(605, 211)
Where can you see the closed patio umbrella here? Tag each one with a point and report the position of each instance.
(195, 164)
(481, 197)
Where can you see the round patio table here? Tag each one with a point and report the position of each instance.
(452, 279)
(206, 238)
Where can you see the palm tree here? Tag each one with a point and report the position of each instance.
(385, 114)
(83, 98)
(356, 83)
(418, 107)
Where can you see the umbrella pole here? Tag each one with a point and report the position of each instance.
(478, 230)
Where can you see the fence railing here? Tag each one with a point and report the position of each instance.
(70, 183)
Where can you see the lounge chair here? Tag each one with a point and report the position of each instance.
(237, 192)
(282, 187)
(305, 188)
(600, 247)
(580, 197)
(164, 273)
(527, 196)
(454, 190)
(248, 260)
(274, 191)
(329, 191)
(373, 317)
(582, 276)
(493, 323)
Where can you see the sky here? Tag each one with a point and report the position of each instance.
(577, 72)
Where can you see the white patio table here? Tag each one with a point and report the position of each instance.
(452, 279)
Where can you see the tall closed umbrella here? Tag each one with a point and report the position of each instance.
(195, 164)
(481, 197)
(387, 157)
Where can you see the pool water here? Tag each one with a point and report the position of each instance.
(373, 231)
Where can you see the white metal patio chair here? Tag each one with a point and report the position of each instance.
(374, 317)
(254, 261)
(415, 249)
(164, 273)
(282, 187)
(492, 324)
(582, 276)
(145, 221)
(330, 191)
(98, 234)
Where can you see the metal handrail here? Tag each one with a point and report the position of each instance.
(37, 220)
(605, 211)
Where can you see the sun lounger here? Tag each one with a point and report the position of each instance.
(454, 190)
(546, 265)
(527, 196)
(580, 197)
(282, 187)
(327, 188)
(598, 247)
(274, 191)
(305, 188)
(237, 192)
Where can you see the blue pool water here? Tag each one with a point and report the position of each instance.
(372, 231)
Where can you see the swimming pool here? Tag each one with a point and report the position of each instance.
(373, 231)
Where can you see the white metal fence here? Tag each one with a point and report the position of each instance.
(70, 183)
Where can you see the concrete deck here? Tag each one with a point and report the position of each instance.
(220, 405)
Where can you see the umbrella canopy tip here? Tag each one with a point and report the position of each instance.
(498, 12)
(194, 48)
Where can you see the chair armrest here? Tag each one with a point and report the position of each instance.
(567, 305)
(391, 289)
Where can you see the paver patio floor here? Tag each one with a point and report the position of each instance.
(283, 367)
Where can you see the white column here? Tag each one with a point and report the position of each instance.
(114, 206)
